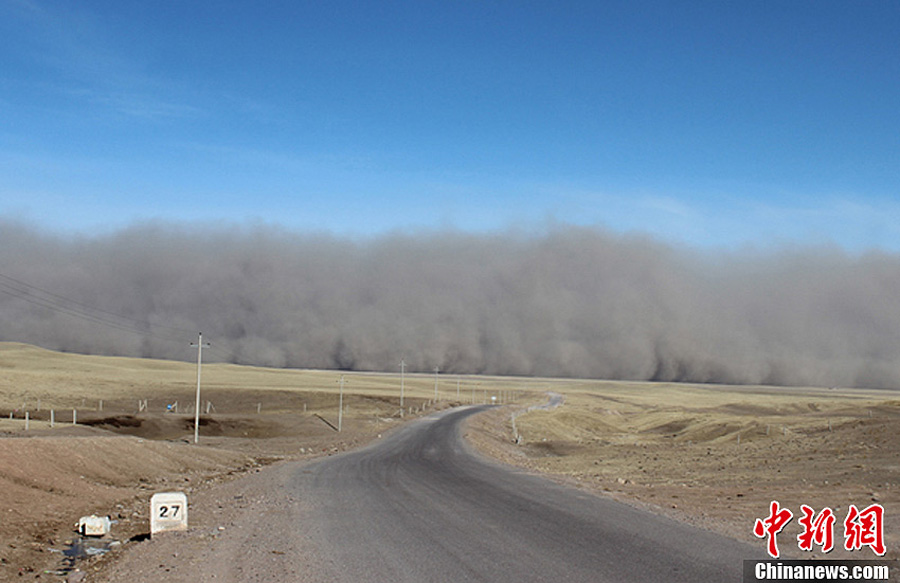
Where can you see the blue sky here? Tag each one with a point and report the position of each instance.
(715, 124)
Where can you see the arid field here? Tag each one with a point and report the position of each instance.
(711, 455)
(716, 456)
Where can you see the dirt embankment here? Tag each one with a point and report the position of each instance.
(127, 446)
(50, 478)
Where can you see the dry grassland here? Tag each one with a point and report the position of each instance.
(712, 455)
(118, 455)
(717, 456)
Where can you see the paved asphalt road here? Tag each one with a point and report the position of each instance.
(420, 507)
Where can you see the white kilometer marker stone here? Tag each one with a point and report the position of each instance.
(168, 511)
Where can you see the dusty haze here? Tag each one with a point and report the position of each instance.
(565, 301)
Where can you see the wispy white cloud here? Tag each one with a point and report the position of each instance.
(669, 205)
(853, 221)
(704, 219)
(143, 105)
(74, 54)
(291, 162)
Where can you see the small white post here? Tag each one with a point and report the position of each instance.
(258, 408)
(26, 420)
(74, 416)
(100, 408)
(168, 512)
(52, 419)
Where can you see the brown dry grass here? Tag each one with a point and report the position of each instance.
(115, 458)
(670, 447)
(32, 378)
(717, 455)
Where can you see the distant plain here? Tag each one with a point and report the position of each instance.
(708, 454)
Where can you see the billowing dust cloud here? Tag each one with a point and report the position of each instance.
(565, 301)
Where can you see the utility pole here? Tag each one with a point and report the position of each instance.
(402, 379)
(199, 346)
(437, 369)
(341, 405)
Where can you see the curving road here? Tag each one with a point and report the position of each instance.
(420, 507)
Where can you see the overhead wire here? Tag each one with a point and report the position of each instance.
(67, 306)
(53, 301)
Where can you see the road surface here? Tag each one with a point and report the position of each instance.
(421, 507)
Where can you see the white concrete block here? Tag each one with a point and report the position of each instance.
(93, 525)
(168, 511)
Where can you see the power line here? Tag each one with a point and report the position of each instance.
(60, 304)
(53, 301)
(67, 306)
